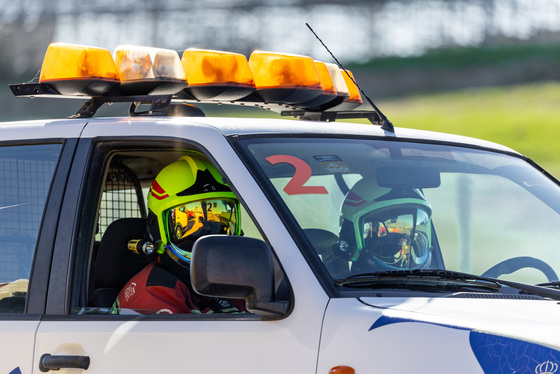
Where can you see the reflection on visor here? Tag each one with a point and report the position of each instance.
(199, 218)
(398, 238)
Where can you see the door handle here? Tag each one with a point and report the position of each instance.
(48, 362)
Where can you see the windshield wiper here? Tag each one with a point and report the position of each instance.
(435, 278)
(553, 284)
(427, 278)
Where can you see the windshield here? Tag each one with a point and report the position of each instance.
(373, 206)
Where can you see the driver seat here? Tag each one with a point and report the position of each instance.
(115, 264)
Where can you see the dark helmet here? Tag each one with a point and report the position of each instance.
(385, 229)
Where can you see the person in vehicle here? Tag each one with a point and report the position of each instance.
(186, 201)
(384, 229)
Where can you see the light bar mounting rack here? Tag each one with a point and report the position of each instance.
(161, 104)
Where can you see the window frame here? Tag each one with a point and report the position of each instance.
(100, 151)
(241, 143)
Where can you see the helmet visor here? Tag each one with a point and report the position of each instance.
(398, 238)
(198, 218)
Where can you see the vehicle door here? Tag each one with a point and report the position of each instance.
(34, 163)
(120, 161)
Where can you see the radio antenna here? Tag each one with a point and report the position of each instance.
(385, 123)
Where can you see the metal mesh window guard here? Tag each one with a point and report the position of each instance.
(122, 198)
(25, 177)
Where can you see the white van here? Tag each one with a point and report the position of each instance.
(366, 248)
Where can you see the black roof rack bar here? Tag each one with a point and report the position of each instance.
(160, 104)
(32, 89)
(330, 116)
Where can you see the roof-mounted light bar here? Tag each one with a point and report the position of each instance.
(79, 70)
(203, 75)
(284, 83)
(217, 75)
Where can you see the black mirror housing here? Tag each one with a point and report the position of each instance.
(408, 177)
(236, 267)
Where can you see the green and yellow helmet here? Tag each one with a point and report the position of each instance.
(385, 229)
(187, 200)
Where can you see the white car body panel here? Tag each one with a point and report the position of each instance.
(464, 336)
(17, 342)
(189, 346)
(320, 333)
(35, 130)
(400, 348)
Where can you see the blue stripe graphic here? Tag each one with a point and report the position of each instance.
(499, 354)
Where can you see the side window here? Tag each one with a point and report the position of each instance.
(25, 177)
(127, 230)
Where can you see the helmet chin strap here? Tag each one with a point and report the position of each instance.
(175, 267)
(173, 252)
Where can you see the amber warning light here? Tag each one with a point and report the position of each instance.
(75, 70)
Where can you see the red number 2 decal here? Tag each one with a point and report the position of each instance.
(303, 172)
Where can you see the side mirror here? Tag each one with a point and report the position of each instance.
(236, 267)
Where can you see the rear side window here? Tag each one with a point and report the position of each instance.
(25, 176)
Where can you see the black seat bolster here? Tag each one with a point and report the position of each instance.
(115, 263)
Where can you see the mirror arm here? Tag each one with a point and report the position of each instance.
(268, 308)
